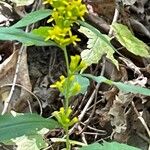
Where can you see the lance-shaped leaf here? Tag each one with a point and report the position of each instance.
(27, 124)
(32, 18)
(125, 87)
(97, 46)
(128, 40)
(42, 31)
(108, 146)
(26, 38)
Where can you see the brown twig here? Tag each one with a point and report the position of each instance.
(141, 119)
(115, 18)
(18, 85)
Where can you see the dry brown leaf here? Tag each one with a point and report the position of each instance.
(119, 116)
(7, 71)
(104, 8)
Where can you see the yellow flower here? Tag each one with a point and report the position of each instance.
(59, 84)
(75, 66)
(65, 13)
(76, 88)
(73, 121)
(74, 63)
(82, 66)
(71, 78)
(63, 117)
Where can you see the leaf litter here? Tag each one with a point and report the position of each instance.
(113, 111)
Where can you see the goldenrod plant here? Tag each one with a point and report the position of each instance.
(64, 14)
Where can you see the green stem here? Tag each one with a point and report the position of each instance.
(67, 65)
(66, 59)
(68, 146)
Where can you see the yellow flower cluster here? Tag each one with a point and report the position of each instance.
(63, 117)
(65, 13)
(75, 66)
(69, 86)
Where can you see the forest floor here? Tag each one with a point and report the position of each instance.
(112, 114)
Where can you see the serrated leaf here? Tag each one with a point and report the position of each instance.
(128, 88)
(27, 124)
(97, 46)
(42, 31)
(93, 29)
(109, 146)
(128, 40)
(35, 142)
(22, 2)
(23, 37)
(32, 18)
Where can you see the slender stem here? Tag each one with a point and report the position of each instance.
(66, 59)
(68, 146)
(67, 65)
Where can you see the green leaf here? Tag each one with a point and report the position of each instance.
(34, 142)
(23, 37)
(132, 88)
(32, 18)
(93, 29)
(42, 31)
(31, 142)
(95, 146)
(109, 146)
(128, 40)
(122, 86)
(98, 79)
(83, 81)
(98, 44)
(27, 124)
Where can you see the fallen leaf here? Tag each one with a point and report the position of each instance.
(22, 2)
(7, 70)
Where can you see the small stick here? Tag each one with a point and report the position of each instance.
(82, 134)
(94, 129)
(115, 18)
(146, 139)
(6, 103)
(141, 119)
(41, 111)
